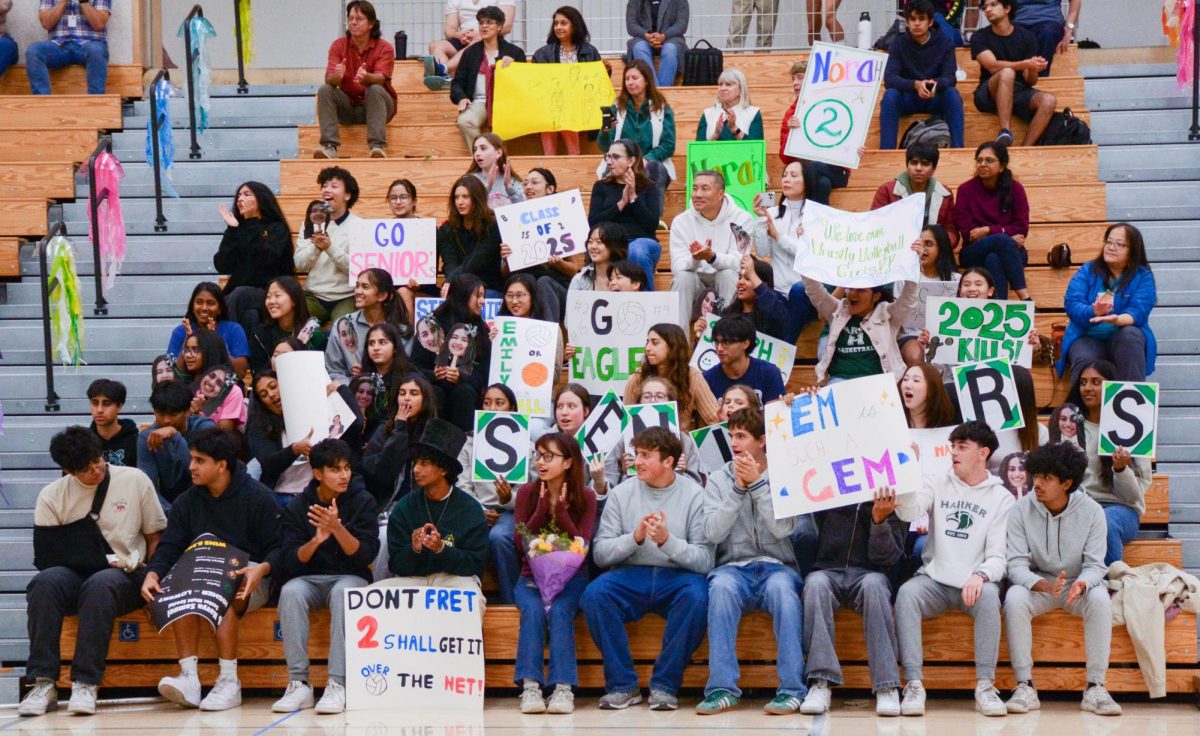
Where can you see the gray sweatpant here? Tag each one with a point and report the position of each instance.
(1022, 604)
(923, 597)
(865, 592)
(299, 598)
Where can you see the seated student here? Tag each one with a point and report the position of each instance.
(627, 198)
(776, 236)
(606, 244)
(920, 166)
(469, 240)
(734, 338)
(130, 519)
(325, 254)
(937, 265)
(162, 448)
(1119, 482)
(1009, 64)
(756, 570)
(8, 47)
(386, 362)
(920, 77)
(472, 87)
(619, 461)
(627, 276)
(967, 508)
(255, 248)
(218, 396)
(329, 537)
(202, 351)
(992, 217)
(1108, 301)
(285, 315)
(667, 355)
(208, 310)
(651, 535)
(490, 164)
(118, 437)
(358, 83)
(567, 43)
(460, 30)
(737, 396)
(732, 117)
(560, 500)
(377, 303)
(657, 29)
(708, 240)
(644, 117)
(856, 547)
(757, 299)
(228, 503)
(1054, 33)
(386, 461)
(1056, 543)
(820, 178)
(78, 36)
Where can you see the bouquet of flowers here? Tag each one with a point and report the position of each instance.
(554, 558)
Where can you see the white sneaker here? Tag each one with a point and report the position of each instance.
(226, 694)
(1097, 700)
(182, 689)
(83, 699)
(562, 701)
(818, 699)
(299, 696)
(987, 699)
(1024, 699)
(333, 700)
(43, 697)
(887, 702)
(913, 703)
(532, 700)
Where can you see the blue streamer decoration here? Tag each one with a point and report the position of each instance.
(166, 139)
(202, 30)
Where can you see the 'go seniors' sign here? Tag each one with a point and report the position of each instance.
(861, 249)
(974, 330)
(414, 648)
(405, 248)
(536, 229)
(836, 104)
(1129, 418)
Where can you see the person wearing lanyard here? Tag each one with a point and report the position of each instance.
(77, 36)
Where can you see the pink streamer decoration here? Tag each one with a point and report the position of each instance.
(111, 225)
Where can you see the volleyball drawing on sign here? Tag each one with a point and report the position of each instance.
(974, 330)
(1129, 418)
(987, 391)
(608, 330)
(500, 447)
(406, 249)
(523, 358)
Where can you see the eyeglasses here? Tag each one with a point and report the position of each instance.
(191, 351)
(399, 198)
(655, 397)
(546, 457)
(718, 342)
(987, 160)
(1115, 244)
(613, 157)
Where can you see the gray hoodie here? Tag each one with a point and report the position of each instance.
(741, 521)
(682, 503)
(1041, 544)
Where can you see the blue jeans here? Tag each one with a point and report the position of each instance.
(45, 55)
(1048, 35)
(947, 103)
(669, 66)
(949, 31)
(8, 52)
(627, 594)
(1002, 258)
(503, 551)
(800, 312)
(1122, 528)
(532, 640)
(804, 543)
(645, 252)
(759, 586)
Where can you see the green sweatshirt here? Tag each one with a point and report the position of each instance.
(459, 519)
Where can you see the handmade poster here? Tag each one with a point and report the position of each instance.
(531, 98)
(608, 330)
(458, 348)
(835, 447)
(925, 291)
(414, 648)
(641, 417)
(500, 447)
(1129, 418)
(405, 248)
(603, 427)
(523, 358)
(934, 446)
(201, 583)
(837, 104)
(988, 391)
(307, 405)
(974, 330)
(712, 443)
(861, 249)
(778, 353)
(554, 225)
(742, 163)
(423, 307)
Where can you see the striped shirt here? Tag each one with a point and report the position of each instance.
(73, 26)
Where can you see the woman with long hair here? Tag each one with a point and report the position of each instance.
(521, 300)
(644, 117)
(737, 396)
(490, 164)
(255, 248)
(567, 43)
(386, 464)
(667, 356)
(539, 182)
(937, 266)
(755, 296)
(402, 202)
(377, 303)
(469, 240)
(458, 388)
(208, 309)
(606, 244)
(731, 117)
(777, 237)
(202, 351)
(625, 196)
(286, 315)
(384, 356)
(926, 402)
(991, 214)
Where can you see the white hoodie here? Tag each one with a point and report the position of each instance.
(690, 226)
(967, 527)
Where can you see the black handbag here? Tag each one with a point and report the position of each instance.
(79, 545)
(702, 66)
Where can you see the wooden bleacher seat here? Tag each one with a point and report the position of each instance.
(124, 80)
(46, 179)
(55, 144)
(10, 264)
(101, 112)
(24, 216)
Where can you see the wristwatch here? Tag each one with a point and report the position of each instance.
(983, 575)
(1070, 25)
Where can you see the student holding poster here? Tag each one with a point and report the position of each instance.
(567, 43)
(476, 64)
(667, 355)
(458, 388)
(820, 178)
(776, 237)
(706, 249)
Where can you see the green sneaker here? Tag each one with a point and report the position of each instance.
(782, 705)
(435, 83)
(718, 701)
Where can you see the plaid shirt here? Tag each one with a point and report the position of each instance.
(81, 32)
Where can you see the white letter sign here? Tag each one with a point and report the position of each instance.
(837, 104)
(987, 391)
(974, 330)
(523, 358)
(1129, 418)
(500, 447)
(405, 248)
(861, 249)
(608, 330)
(555, 225)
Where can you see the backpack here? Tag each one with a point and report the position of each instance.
(1064, 129)
(934, 131)
(884, 42)
(701, 67)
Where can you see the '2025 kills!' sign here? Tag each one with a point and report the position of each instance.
(975, 330)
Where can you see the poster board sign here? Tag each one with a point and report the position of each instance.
(742, 163)
(1129, 418)
(927, 290)
(833, 448)
(523, 358)
(405, 248)
(778, 353)
(414, 648)
(934, 446)
(500, 447)
(201, 583)
(423, 307)
(554, 225)
(988, 391)
(837, 104)
(608, 330)
(974, 330)
(861, 249)
(643, 416)
(307, 407)
(713, 446)
(531, 98)
(603, 427)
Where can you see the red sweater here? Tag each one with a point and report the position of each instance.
(534, 513)
(977, 206)
(785, 131)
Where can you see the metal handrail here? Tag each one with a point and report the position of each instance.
(57, 228)
(160, 221)
(242, 87)
(105, 145)
(1194, 131)
(187, 43)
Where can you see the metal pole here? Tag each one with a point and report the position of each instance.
(51, 396)
(242, 88)
(187, 42)
(160, 221)
(105, 144)
(1194, 132)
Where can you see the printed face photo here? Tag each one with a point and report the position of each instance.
(347, 336)
(213, 383)
(429, 334)
(459, 349)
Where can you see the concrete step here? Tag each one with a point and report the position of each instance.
(19, 490)
(1175, 200)
(15, 519)
(23, 389)
(120, 341)
(216, 144)
(185, 216)
(1167, 162)
(192, 178)
(264, 90)
(234, 112)
(131, 297)
(145, 255)
(1143, 127)
(1135, 93)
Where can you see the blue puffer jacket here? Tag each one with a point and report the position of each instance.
(1135, 297)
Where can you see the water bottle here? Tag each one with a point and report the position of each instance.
(401, 45)
(864, 30)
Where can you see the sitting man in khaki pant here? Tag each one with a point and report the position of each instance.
(358, 83)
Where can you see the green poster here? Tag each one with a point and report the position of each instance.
(742, 163)
(1129, 418)
(500, 447)
(987, 391)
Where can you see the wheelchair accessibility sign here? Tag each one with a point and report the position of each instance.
(129, 631)
(837, 104)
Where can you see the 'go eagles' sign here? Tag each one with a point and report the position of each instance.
(608, 330)
(974, 330)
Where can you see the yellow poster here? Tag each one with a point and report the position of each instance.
(531, 98)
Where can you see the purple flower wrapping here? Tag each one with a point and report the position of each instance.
(552, 571)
